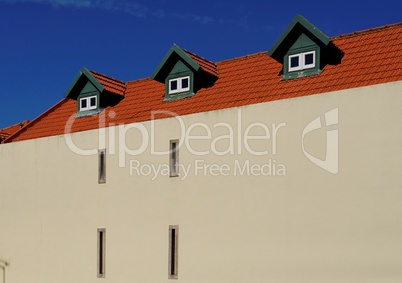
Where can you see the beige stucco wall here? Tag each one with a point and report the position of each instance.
(307, 225)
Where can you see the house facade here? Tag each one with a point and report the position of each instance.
(279, 166)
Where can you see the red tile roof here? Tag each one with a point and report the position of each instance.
(207, 66)
(110, 84)
(371, 57)
(10, 130)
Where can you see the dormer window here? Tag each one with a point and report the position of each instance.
(184, 74)
(178, 85)
(88, 103)
(302, 61)
(90, 95)
(303, 50)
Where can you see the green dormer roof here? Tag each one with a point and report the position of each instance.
(80, 82)
(298, 26)
(168, 62)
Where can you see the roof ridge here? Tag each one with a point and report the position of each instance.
(207, 65)
(106, 76)
(366, 31)
(110, 84)
(247, 56)
(202, 58)
(140, 80)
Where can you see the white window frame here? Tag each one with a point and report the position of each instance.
(88, 99)
(302, 64)
(180, 87)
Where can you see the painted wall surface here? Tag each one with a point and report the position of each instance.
(254, 211)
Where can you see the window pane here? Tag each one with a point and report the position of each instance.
(294, 61)
(173, 85)
(93, 102)
(309, 59)
(83, 103)
(184, 83)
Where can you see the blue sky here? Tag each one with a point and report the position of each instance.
(44, 43)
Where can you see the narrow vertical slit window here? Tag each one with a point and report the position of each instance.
(102, 166)
(174, 158)
(101, 252)
(173, 248)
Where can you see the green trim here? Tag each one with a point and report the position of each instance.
(177, 96)
(87, 113)
(302, 73)
(302, 43)
(180, 68)
(89, 88)
(288, 35)
(159, 73)
(84, 73)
